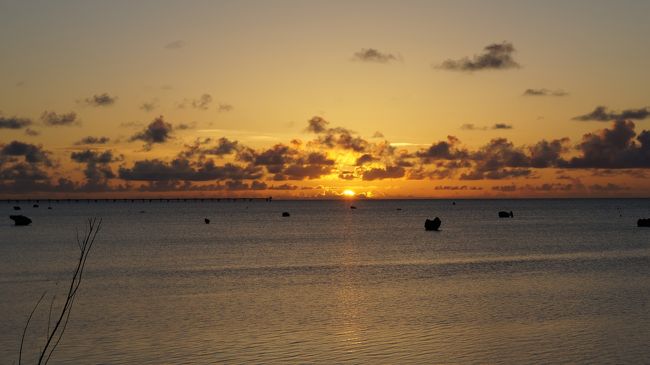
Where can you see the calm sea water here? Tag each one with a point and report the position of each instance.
(565, 281)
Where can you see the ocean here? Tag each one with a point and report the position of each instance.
(564, 281)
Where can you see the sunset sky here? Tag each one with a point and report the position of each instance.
(305, 99)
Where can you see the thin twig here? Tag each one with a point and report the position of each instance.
(22, 339)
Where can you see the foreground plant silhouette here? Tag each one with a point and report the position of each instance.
(55, 333)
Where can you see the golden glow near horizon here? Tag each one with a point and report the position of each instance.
(348, 193)
(257, 98)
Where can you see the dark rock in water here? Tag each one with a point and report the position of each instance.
(206, 220)
(432, 225)
(35, 206)
(50, 208)
(20, 220)
(353, 207)
(453, 203)
(503, 214)
(643, 222)
(286, 214)
(398, 209)
(16, 207)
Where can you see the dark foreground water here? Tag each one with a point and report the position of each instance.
(565, 281)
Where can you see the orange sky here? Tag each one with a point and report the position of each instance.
(301, 99)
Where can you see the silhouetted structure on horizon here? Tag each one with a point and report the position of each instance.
(20, 220)
(432, 225)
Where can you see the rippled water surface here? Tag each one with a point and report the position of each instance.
(564, 281)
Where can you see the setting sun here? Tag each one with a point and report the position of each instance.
(348, 193)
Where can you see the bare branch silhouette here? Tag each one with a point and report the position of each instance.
(55, 335)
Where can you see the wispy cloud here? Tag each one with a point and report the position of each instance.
(601, 114)
(103, 99)
(174, 45)
(545, 92)
(374, 55)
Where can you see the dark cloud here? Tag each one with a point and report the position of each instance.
(608, 188)
(499, 159)
(32, 153)
(156, 132)
(544, 92)
(92, 140)
(365, 158)
(23, 167)
(183, 169)
(547, 154)
(98, 171)
(496, 56)
(287, 163)
(614, 148)
(458, 187)
(505, 188)
(390, 172)
(502, 126)
(601, 114)
(53, 119)
(373, 55)
(103, 99)
(443, 150)
(283, 187)
(14, 122)
(317, 125)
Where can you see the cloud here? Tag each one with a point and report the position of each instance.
(608, 188)
(457, 187)
(53, 119)
(32, 153)
(283, 187)
(156, 132)
(289, 163)
(184, 169)
(14, 122)
(174, 45)
(335, 137)
(103, 99)
(223, 107)
(97, 171)
(148, 106)
(31, 132)
(496, 56)
(615, 148)
(472, 127)
(443, 150)
(373, 55)
(600, 114)
(544, 92)
(92, 140)
(202, 103)
(502, 126)
(390, 172)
